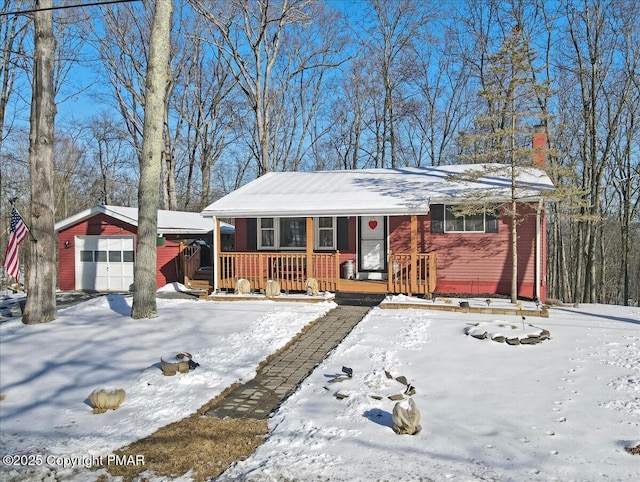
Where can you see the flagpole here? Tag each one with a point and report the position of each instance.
(12, 201)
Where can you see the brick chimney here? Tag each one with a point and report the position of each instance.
(539, 145)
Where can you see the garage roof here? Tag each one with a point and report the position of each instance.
(377, 191)
(169, 222)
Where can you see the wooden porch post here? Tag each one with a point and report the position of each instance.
(414, 254)
(216, 254)
(310, 273)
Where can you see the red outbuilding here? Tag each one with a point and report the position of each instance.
(96, 247)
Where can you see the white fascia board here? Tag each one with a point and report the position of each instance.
(315, 213)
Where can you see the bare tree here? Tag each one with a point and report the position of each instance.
(399, 28)
(42, 273)
(253, 36)
(144, 295)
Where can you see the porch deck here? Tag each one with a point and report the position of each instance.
(410, 274)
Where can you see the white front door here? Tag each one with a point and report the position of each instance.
(373, 247)
(104, 263)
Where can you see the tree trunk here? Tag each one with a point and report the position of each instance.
(42, 274)
(144, 296)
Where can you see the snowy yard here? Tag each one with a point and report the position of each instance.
(564, 409)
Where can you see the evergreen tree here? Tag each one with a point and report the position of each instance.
(512, 97)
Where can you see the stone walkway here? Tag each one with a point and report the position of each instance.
(281, 376)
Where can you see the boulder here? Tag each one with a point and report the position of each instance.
(272, 289)
(243, 287)
(312, 287)
(406, 420)
(103, 399)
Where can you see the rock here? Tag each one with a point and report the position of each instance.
(312, 287)
(498, 338)
(402, 379)
(406, 420)
(512, 341)
(411, 390)
(272, 289)
(530, 340)
(243, 287)
(103, 399)
(397, 396)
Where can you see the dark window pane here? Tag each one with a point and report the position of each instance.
(437, 218)
(115, 256)
(326, 238)
(267, 238)
(474, 222)
(453, 223)
(86, 256)
(128, 256)
(293, 232)
(100, 256)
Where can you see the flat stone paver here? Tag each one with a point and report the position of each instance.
(281, 376)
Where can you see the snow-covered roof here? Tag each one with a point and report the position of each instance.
(377, 191)
(169, 222)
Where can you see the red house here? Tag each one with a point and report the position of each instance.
(96, 247)
(388, 230)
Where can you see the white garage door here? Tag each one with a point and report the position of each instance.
(104, 263)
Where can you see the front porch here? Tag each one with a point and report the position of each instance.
(411, 274)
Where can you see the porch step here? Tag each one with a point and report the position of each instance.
(203, 274)
(358, 299)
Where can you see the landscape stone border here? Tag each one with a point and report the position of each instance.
(499, 331)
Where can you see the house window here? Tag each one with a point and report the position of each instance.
(266, 233)
(326, 233)
(293, 233)
(443, 219)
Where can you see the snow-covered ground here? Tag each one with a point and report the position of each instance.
(563, 409)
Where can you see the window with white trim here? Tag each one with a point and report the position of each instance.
(291, 233)
(325, 232)
(266, 233)
(444, 220)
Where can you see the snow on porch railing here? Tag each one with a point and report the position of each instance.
(288, 269)
(412, 274)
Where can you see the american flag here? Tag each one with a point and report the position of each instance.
(17, 234)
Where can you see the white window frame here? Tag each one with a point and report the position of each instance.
(316, 235)
(260, 229)
(291, 248)
(276, 235)
(334, 233)
(447, 210)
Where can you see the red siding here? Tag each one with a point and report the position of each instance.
(167, 267)
(469, 263)
(241, 234)
(474, 263)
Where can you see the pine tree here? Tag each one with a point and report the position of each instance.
(512, 98)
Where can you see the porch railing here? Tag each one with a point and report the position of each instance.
(290, 270)
(409, 274)
(189, 261)
(412, 273)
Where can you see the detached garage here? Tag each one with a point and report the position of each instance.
(96, 247)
